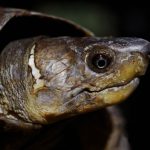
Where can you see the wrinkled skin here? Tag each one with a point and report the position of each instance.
(55, 78)
(46, 80)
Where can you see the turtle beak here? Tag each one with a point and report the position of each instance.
(143, 46)
(146, 49)
(140, 45)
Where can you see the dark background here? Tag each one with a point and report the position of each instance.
(106, 18)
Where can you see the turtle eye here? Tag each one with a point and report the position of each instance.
(99, 60)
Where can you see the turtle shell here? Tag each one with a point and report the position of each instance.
(17, 23)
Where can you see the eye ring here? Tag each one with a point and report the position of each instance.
(99, 59)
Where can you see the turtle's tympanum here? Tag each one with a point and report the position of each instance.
(58, 81)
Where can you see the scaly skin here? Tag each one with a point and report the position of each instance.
(45, 79)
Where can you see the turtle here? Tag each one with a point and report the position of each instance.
(59, 83)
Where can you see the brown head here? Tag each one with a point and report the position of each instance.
(55, 78)
(78, 75)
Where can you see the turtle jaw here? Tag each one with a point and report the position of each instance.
(114, 95)
(87, 100)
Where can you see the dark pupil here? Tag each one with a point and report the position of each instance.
(99, 61)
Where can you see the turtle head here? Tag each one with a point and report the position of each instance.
(55, 78)
(79, 75)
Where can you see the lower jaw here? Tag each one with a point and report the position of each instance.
(107, 97)
(116, 95)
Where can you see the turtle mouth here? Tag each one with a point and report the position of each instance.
(132, 83)
(83, 100)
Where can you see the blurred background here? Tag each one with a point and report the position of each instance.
(106, 18)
